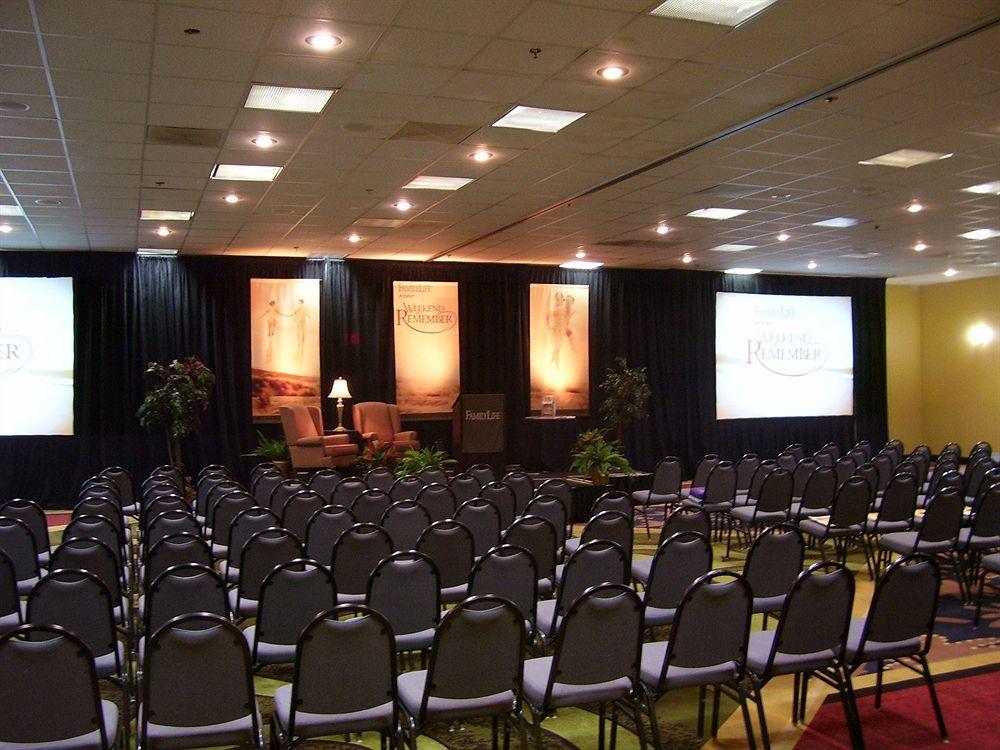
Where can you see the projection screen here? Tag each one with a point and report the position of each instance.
(36, 356)
(782, 355)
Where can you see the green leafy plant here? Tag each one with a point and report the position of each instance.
(374, 455)
(270, 449)
(598, 457)
(176, 396)
(415, 461)
(626, 395)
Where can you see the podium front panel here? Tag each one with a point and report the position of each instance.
(482, 423)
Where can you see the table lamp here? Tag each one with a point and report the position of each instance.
(340, 392)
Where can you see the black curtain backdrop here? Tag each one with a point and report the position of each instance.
(131, 310)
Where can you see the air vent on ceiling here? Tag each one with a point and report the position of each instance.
(285, 211)
(645, 244)
(384, 223)
(168, 135)
(435, 132)
(728, 191)
(427, 224)
(860, 256)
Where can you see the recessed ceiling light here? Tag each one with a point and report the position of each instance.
(581, 254)
(743, 271)
(287, 98)
(245, 172)
(783, 237)
(232, 198)
(951, 272)
(6, 228)
(48, 202)
(162, 231)
(811, 265)
(11, 106)
(429, 182)
(154, 251)
(151, 215)
(860, 255)
(717, 213)
(976, 234)
(264, 141)
(324, 41)
(662, 229)
(581, 265)
(481, 155)
(915, 207)
(354, 237)
(905, 158)
(780, 196)
(536, 118)
(11, 211)
(612, 72)
(839, 222)
(986, 188)
(920, 247)
(721, 12)
(732, 248)
(403, 205)
(687, 258)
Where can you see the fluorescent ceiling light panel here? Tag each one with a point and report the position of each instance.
(581, 265)
(732, 248)
(248, 172)
(905, 158)
(721, 12)
(839, 222)
(151, 215)
(153, 251)
(717, 213)
(535, 118)
(287, 98)
(987, 188)
(980, 234)
(743, 271)
(11, 211)
(429, 182)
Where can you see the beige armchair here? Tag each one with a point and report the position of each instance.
(379, 421)
(308, 446)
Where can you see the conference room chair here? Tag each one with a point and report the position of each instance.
(750, 494)
(379, 421)
(226, 510)
(523, 487)
(510, 572)
(347, 491)
(690, 518)
(555, 511)
(787, 461)
(937, 533)
(817, 494)
(101, 488)
(482, 519)
(208, 656)
(846, 522)
(371, 505)
(246, 523)
(156, 506)
(210, 469)
(824, 458)
(154, 483)
(801, 474)
(298, 509)
(988, 565)
(324, 529)
(974, 479)
(746, 467)
(405, 521)
(475, 671)
(99, 527)
(596, 660)
(165, 524)
(171, 473)
(325, 696)
(406, 488)
(539, 537)
(99, 506)
(943, 478)
(807, 644)
(204, 484)
(465, 487)
(895, 512)
(707, 647)
(773, 564)
(988, 479)
(981, 535)
(380, 478)
(886, 468)
(433, 475)
(450, 545)
(772, 505)
(183, 589)
(263, 485)
(504, 499)
(282, 491)
(260, 495)
(833, 449)
(291, 597)
(324, 481)
(405, 588)
(664, 489)
(309, 446)
(176, 549)
(608, 525)
(614, 500)
(264, 467)
(32, 515)
(123, 480)
(899, 626)
(706, 464)
(11, 615)
(718, 495)
(356, 554)
(844, 469)
(438, 501)
(262, 553)
(678, 563)
(56, 698)
(797, 450)
(482, 473)
(558, 488)
(866, 447)
(94, 556)
(592, 564)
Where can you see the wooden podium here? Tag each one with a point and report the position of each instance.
(479, 429)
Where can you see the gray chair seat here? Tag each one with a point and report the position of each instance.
(819, 528)
(652, 663)
(884, 527)
(903, 541)
(545, 587)
(750, 514)
(645, 497)
(742, 499)
(318, 725)
(410, 686)
(641, 568)
(760, 648)
(571, 545)
(707, 507)
(343, 598)
(654, 617)
(247, 608)
(24, 587)
(43, 558)
(270, 653)
(105, 665)
(799, 512)
(219, 551)
(967, 541)
(232, 574)
(131, 510)
(165, 737)
(9, 622)
(417, 641)
(536, 679)
(768, 603)
(455, 593)
(877, 650)
(545, 614)
(92, 740)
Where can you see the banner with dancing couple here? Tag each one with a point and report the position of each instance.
(284, 344)
(560, 345)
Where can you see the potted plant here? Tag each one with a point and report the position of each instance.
(626, 395)
(598, 457)
(415, 461)
(176, 396)
(275, 451)
(375, 454)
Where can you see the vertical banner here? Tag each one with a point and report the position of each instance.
(425, 334)
(284, 344)
(560, 345)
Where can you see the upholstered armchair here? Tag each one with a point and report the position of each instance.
(308, 446)
(379, 421)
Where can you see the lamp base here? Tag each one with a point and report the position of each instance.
(340, 416)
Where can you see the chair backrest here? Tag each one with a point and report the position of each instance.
(774, 561)
(833, 449)
(540, 538)
(103, 488)
(380, 478)
(281, 492)
(943, 518)
(870, 472)
(786, 461)
(819, 488)
(263, 485)
(760, 474)
(464, 487)
(356, 554)
(205, 485)
(209, 657)
(990, 478)
(324, 481)
(503, 498)
(10, 604)
(264, 467)
(228, 508)
(433, 475)
(678, 562)
(482, 519)
(705, 466)
(685, 519)
(482, 473)
(78, 601)
(211, 469)
(591, 564)
(18, 543)
(98, 527)
(477, 652)
(168, 523)
(438, 501)
(99, 506)
(160, 504)
(610, 526)
(222, 489)
(824, 458)
(406, 488)
(775, 493)
(946, 480)
(181, 590)
(371, 505)
(850, 505)
(55, 695)
(291, 596)
(176, 549)
(508, 571)
(523, 487)
(247, 523)
(324, 529)
(298, 509)
(95, 557)
(614, 500)
(122, 478)
(720, 487)
(554, 510)
(667, 476)
(449, 544)
(844, 469)
(974, 477)
(886, 468)
(404, 521)
(865, 446)
(33, 516)
(405, 589)
(746, 467)
(797, 450)
(801, 473)
(377, 416)
(899, 500)
(711, 627)
(557, 488)
(986, 518)
(172, 473)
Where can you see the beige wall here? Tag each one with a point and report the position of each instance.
(941, 387)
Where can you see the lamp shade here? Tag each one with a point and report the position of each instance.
(339, 389)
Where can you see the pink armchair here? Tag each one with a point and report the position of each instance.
(380, 421)
(308, 446)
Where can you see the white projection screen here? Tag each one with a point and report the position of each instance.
(780, 355)
(36, 356)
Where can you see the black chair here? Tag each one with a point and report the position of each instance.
(356, 553)
(324, 529)
(405, 589)
(482, 519)
(665, 488)
(438, 501)
(678, 563)
(773, 564)
(405, 521)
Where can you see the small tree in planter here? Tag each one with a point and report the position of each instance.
(176, 396)
(626, 395)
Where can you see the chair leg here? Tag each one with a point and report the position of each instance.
(926, 669)
(654, 727)
(635, 705)
(748, 725)
(701, 712)
(878, 684)
(803, 697)
(715, 712)
(600, 727)
(614, 726)
(850, 708)
(979, 598)
(759, 700)
(796, 688)
(495, 733)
